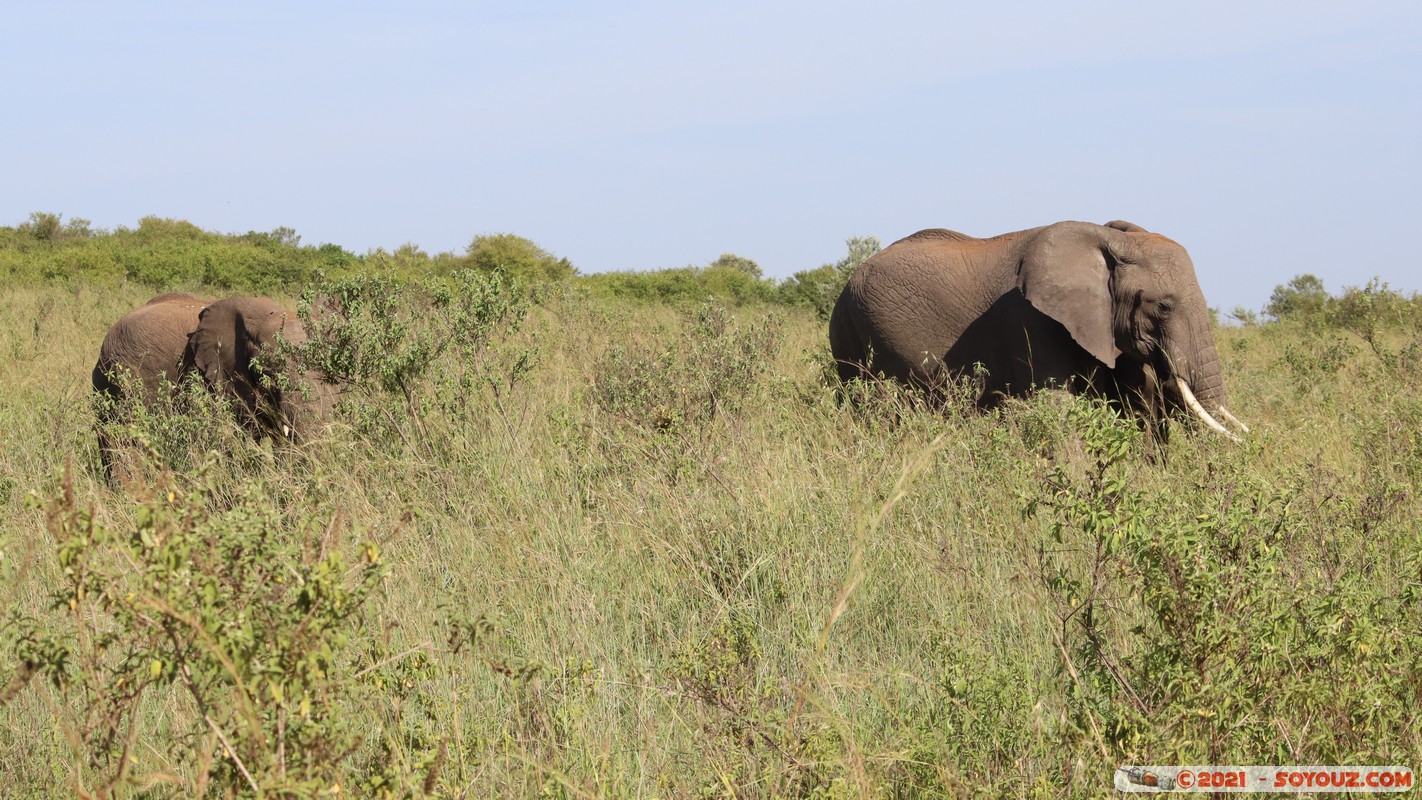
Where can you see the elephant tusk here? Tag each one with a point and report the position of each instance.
(1199, 410)
(1232, 419)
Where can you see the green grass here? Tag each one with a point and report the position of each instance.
(662, 559)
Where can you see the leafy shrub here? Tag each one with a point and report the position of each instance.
(1242, 640)
(739, 263)
(1316, 358)
(1372, 309)
(710, 370)
(247, 621)
(139, 440)
(720, 669)
(819, 288)
(516, 258)
(1364, 310)
(46, 227)
(683, 286)
(1301, 296)
(167, 253)
(981, 714)
(425, 342)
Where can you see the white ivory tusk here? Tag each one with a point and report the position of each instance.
(1230, 418)
(1194, 405)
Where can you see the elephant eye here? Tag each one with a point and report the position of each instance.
(1165, 306)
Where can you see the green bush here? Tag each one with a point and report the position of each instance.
(1301, 296)
(46, 227)
(819, 288)
(425, 344)
(166, 253)
(516, 258)
(710, 370)
(1372, 310)
(1193, 632)
(683, 286)
(1364, 310)
(213, 602)
(739, 263)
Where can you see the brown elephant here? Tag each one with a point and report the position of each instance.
(143, 349)
(1107, 308)
(233, 348)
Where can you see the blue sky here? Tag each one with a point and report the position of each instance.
(1269, 138)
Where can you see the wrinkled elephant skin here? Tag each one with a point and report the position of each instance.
(1112, 308)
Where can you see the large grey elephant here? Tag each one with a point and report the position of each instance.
(143, 351)
(233, 348)
(1108, 308)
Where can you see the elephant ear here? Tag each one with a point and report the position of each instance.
(1128, 227)
(205, 350)
(1066, 274)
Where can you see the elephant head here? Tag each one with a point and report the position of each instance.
(1112, 308)
(1130, 298)
(234, 349)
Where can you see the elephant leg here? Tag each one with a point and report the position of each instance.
(120, 458)
(1133, 387)
(847, 347)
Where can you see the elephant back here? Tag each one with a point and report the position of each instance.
(148, 342)
(938, 234)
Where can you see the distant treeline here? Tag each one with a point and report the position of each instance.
(168, 254)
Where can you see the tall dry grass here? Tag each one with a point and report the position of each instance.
(667, 560)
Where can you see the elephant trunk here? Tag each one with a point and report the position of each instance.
(1197, 377)
(1205, 377)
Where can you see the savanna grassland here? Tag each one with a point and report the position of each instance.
(565, 544)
